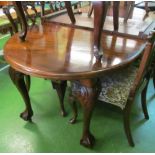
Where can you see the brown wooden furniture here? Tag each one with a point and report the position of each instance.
(115, 12)
(13, 18)
(68, 7)
(151, 68)
(59, 86)
(43, 55)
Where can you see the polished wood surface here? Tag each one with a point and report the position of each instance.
(3, 3)
(62, 53)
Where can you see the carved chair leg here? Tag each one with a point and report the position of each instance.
(86, 92)
(28, 82)
(18, 79)
(60, 87)
(143, 101)
(126, 117)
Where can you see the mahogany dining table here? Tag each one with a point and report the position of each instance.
(58, 52)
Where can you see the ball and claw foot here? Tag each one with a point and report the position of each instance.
(88, 141)
(26, 116)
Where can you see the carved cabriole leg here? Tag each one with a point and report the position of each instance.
(60, 87)
(18, 79)
(86, 92)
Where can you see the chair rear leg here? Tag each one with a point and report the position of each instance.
(126, 117)
(154, 79)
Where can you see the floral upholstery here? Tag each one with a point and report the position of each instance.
(115, 87)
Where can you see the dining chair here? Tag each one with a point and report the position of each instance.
(128, 7)
(59, 86)
(60, 10)
(120, 88)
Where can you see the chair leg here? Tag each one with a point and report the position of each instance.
(129, 10)
(18, 79)
(60, 87)
(90, 11)
(126, 117)
(100, 12)
(116, 15)
(143, 101)
(154, 79)
(70, 11)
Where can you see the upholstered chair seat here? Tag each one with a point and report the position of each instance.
(115, 87)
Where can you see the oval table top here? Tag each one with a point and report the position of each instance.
(64, 53)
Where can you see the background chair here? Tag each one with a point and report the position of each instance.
(127, 9)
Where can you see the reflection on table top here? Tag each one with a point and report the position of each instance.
(58, 52)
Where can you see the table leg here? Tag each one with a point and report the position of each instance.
(18, 79)
(60, 87)
(28, 82)
(86, 91)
